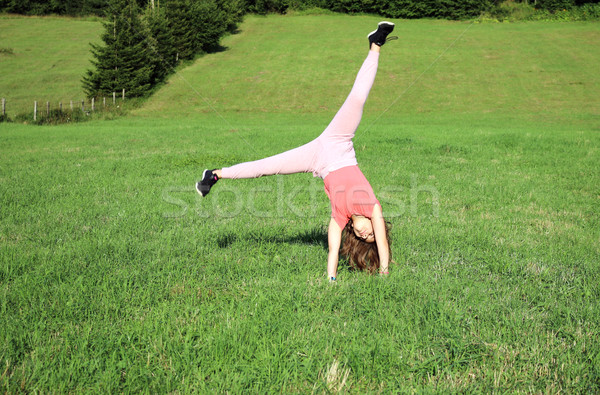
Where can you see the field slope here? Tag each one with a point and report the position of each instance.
(44, 60)
(306, 64)
(115, 276)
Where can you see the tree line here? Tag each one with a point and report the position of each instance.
(450, 9)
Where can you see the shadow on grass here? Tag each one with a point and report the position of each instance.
(215, 48)
(314, 236)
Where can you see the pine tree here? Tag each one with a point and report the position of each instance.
(209, 25)
(161, 46)
(180, 21)
(124, 61)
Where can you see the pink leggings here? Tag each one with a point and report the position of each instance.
(332, 150)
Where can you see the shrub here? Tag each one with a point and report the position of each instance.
(58, 116)
(513, 11)
(263, 7)
(510, 10)
(409, 9)
(588, 12)
(555, 5)
(55, 117)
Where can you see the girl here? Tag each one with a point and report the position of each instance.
(355, 211)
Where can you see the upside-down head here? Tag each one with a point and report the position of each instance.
(359, 245)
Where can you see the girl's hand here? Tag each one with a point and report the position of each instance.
(381, 238)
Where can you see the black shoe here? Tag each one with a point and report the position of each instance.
(380, 36)
(208, 180)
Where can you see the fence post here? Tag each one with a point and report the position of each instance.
(60, 107)
(104, 101)
(47, 108)
(35, 110)
(82, 105)
(93, 104)
(71, 105)
(114, 98)
(3, 106)
(123, 93)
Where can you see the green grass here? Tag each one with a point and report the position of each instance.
(44, 60)
(116, 277)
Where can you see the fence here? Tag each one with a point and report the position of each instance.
(37, 111)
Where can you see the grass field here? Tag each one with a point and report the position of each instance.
(116, 277)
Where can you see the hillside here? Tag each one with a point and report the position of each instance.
(307, 63)
(49, 57)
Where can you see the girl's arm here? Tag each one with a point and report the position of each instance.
(381, 238)
(334, 237)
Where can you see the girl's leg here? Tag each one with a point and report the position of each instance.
(346, 121)
(312, 157)
(297, 160)
(336, 139)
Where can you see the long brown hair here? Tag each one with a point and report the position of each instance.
(362, 255)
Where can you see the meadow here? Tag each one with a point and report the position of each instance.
(482, 141)
(44, 59)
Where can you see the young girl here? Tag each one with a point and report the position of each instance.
(355, 211)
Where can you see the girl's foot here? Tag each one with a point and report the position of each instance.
(380, 36)
(208, 180)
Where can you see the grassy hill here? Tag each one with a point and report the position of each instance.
(44, 59)
(306, 64)
(115, 276)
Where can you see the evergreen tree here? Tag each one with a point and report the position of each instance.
(208, 25)
(164, 53)
(235, 11)
(124, 61)
(180, 22)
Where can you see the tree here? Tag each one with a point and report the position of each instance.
(211, 20)
(209, 23)
(124, 61)
(180, 21)
(160, 42)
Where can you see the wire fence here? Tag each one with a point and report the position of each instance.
(44, 110)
